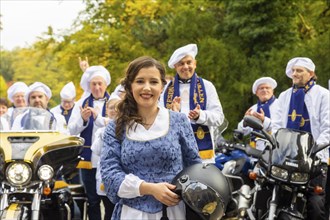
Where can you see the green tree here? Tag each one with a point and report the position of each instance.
(238, 42)
(3, 87)
(5, 65)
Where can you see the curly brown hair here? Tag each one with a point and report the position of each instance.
(127, 108)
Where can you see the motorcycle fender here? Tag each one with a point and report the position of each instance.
(13, 212)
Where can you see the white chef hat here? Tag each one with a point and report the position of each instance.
(116, 94)
(299, 61)
(15, 88)
(68, 91)
(92, 72)
(38, 87)
(190, 49)
(263, 80)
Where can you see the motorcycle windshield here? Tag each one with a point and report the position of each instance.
(292, 149)
(35, 119)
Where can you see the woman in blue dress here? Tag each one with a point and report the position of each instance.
(145, 147)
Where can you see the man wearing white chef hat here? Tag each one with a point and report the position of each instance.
(68, 95)
(194, 96)
(88, 116)
(306, 107)
(38, 96)
(267, 104)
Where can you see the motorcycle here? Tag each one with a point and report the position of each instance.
(284, 171)
(33, 161)
(235, 164)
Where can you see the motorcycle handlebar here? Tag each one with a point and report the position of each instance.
(237, 146)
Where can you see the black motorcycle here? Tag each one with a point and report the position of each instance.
(283, 173)
(33, 162)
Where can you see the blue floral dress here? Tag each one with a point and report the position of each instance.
(154, 155)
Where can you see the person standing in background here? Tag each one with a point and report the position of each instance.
(4, 118)
(68, 96)
(306, 107)
(87, 117)
(16, 95)
(327, 189)
(96, 149)
(38, 96)
(3, 106)
(263, 88)
(196, 97)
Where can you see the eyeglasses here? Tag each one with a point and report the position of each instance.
(67, 102)
(264, 87)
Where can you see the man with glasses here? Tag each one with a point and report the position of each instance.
(263, 88)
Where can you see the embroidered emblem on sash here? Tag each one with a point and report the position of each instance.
(197, 96)
(200, 133)
(302, 122)
(293, 115)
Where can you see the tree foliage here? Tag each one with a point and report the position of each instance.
(238, 41)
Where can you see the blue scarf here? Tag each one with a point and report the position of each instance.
(298, 117)
(66, 113)
(265, 106)
(88, 131)
(197, 96)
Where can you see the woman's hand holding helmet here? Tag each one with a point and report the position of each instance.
(163, 192)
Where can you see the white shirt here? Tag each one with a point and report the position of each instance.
(4, 125)
(76, 124)
(96, 151)
(317, 101)
(267, 124)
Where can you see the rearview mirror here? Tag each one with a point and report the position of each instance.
(252, 122)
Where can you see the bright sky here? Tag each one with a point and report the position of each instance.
(24, 20)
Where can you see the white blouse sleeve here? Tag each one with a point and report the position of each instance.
(130, 187)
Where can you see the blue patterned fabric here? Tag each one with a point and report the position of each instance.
(156, 160)
(66, 113)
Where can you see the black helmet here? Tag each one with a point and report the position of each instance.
(204, 189)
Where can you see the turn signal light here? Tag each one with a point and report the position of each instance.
(253, 175)
(318, 189)
(47, 191)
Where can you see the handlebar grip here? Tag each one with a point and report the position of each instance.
(259, 135)
(253, 152)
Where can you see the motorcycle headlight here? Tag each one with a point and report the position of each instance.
(18, 173)
(297, 177)
(279, 173)
(45, 172)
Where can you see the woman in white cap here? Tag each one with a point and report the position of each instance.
(16, 94)
(266, 106)
(306, 106)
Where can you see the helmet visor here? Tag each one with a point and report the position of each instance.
(203, 199)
